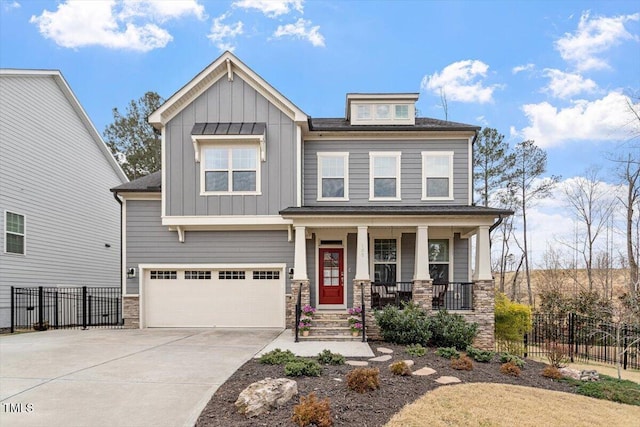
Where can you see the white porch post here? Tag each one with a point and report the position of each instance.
(300, 256)
(421, 270)
(362, 259)
(483, 254)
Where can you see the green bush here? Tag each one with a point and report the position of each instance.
(483, 356)
(507, 357)
(451, 330)
(416, 350)
(513, 320)
(277, 357)
(329, 358)
(400, 368)
(608, 388)
(448, 352)
(302, 368)
(409, 325)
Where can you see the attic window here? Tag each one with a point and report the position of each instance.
(382, 113)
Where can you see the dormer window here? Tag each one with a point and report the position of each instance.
(381, 109)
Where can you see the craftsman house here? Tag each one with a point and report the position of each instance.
(257, 203)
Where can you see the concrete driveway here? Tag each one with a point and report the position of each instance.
(129, 378)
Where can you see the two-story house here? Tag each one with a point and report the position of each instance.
(257, 202)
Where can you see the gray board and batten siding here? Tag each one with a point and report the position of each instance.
(230, 102)
(149, 242)
(54, 173)
(410, 166)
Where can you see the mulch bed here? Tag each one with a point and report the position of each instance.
(369, 409)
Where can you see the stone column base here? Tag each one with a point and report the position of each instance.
(131, 311)
(293, 299)
(422, 291)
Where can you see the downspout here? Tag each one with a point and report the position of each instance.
(115, 196)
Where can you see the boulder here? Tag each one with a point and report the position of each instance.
(570, 373)
(589, 375)
(264, 395)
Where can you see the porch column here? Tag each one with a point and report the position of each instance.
(483, 255)
(300, 256)
(362, 258)
(421, 271)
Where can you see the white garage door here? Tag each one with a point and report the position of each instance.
(247, 297)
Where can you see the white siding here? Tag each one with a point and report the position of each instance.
(53, 172)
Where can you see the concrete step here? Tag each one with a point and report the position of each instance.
(330, 338)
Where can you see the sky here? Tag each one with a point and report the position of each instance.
(558, 72)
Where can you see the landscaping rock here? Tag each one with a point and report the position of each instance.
(448, 380)
(589, 375)
(570, 373)
(384, 350)
(381, 358)
(409, 363)
(356, 363)
(265, 395)
(424, 372)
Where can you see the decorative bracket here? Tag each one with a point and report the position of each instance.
(181, 232)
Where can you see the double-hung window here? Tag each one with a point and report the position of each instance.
(231, 169)
(333, 176)
(439, 260)
(437, 175)
(14, 233)
(384, 176)
(385, 260)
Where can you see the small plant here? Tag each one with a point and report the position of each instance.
(557, 354)
(277, 357)
(448, 352)
(483, 356)
(302, 326)
(356, 327)
(551, 372)
(510, 368)
(451, 330)
(462, 363)
(363, 379)
(329, 358)
(312, 412)
(308, 311)
(409, 325)
(400, 368)
(302, 368)
(416, 350)
(506, 357)
(355, 311)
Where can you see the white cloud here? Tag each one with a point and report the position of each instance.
(594, 36)
(605, 119)
(565, 85)
(113, 24)
(8, 6)
(302, 29)
(521, 68)
(271, 8)
(462, 81)
(223, 34)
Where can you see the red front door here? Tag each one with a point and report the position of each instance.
(331, 283)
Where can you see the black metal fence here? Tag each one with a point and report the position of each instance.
(41, 307)
(584, 339)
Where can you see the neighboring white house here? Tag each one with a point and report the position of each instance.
(59, 223)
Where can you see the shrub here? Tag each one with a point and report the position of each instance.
(507, 357)
(416, 350)
(409, 325)
(363, 379)
(312, 412)
(462, 363)
(303, 368)
(329, 358)
(551, 372)
(510, 368)
(448, 352)
(483, 356)
(451, 330)
(277, 357)
(608, 388)
(557, 354)
(400, 368)
(513, 320)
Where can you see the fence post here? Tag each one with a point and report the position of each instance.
(84, 307)
(572, 338)
(526, 344)
(40, 307)
(624, 346)
(56, 308)
(13, 308)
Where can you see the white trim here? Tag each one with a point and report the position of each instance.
(470, 179)
(230, 170)
(356, 135)
(450, 262)
(211, 140)
(24, 234)
(134, 195)
(238, 220)
(123, 248)
(378, 234)
(427, 154)
(372, 156)
(345, 177)
(299, 156)
(163, 187)
(373, 119)
(392, 221)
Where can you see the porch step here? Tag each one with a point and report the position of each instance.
(330, 325)
(329, 338)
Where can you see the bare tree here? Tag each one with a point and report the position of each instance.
(629, 172)
(529, 186)
(445, 105)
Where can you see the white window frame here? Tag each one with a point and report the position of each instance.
(372, 156)
(373, 119)
(23, 234)
(345, 177)
(397, 262)
(230, 170)
(425, 173)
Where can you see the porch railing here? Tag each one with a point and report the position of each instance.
(383, 294)
(446, 296)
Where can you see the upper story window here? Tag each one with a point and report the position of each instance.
(230, 169)
(14, 233)
(437, 175)
(333, 176)
(381, 108)
(384, 176)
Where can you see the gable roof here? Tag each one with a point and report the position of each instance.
(57, 77)
(225, 66)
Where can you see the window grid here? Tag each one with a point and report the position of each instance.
(385, 260)
(439, 260)
(437, 175)
(231, 169)
(14, 226)
(384, 180)
(333, 172)
(164, 274)
(266, 275)
(197, 275)
(231, 275)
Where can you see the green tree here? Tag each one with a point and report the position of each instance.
(493, 163)
(132, 140)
